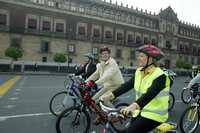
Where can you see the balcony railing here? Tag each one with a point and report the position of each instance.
(80, 9)
(4, 28)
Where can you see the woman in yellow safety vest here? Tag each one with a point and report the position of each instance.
(151, 86)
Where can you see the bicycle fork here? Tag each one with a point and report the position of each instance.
(192, 114)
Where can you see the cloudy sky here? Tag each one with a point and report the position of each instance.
(187, 10)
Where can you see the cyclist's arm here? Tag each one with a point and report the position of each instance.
(94, 76)
(124, 87)
(108, 74)
(157, 86)
(90, 71)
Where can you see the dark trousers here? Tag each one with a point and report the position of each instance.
(141, 125)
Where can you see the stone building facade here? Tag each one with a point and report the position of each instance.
(74, 27)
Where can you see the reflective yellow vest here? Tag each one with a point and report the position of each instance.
(156, 109)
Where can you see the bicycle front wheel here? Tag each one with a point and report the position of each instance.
(186, 96)
(73, 120)
(189, 120)
(60, 101)
(171, 101)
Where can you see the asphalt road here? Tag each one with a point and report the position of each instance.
(25, 107)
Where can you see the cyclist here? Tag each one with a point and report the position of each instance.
(170, 73)
(89, 67)
(195, 71)
(151, 85)
(107, 74)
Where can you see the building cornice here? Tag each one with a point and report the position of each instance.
(77, 14)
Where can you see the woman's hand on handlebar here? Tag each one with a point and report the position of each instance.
(127, 110)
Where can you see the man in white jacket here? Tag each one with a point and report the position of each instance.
(107, 74)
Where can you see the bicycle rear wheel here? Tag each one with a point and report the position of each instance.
(186, 96)
(73, 120)
(189, 120)
(60, 101)
(171, 101)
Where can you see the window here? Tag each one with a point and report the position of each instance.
(44, 47)
(50, 3)
(198, 51)
(69, 60)
(95, 51)
(81, 30)
(132, 54)
(108, 34)
(194, 50)
(119, 53)
(153, 41)
(34, 1)
(59, 27)
(181, 48)
(71, 48)
(119, 36)
(44, 59)
(96, 32)
(198, 61)
(46, 26)
(138, 39)
(146, 40)
(3, 19)
(32, 23)
(168, 44)
(130, 38)
(41, 1)
(16, 42)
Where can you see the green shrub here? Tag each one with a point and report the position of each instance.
(14, 53)
(59, 57)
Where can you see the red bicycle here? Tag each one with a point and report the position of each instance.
(77, 119)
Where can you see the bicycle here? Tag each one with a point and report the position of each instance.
(171, 101)
(189, 119)
(66, 98)
(113, 113)
(80, 113)
(187, 95)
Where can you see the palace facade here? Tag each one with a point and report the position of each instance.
(74, 27)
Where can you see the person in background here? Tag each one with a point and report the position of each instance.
(89, 67)
(195, 71)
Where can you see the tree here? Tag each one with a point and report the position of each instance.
(182, 64)
(59, 57)
(179, 63)
(14, 53)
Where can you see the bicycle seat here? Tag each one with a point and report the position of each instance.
(166, 127)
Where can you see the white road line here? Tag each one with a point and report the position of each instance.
(9, 106)
(13, 98)
(178, 101)
(3, 118)
(18, 89)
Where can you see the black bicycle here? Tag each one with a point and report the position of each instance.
(189, 120)
(171, 101)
